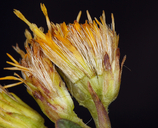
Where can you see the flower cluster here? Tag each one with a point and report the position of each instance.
(85, 55)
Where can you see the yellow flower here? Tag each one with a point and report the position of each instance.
(86, 54)
(14, 113)
(43, 82)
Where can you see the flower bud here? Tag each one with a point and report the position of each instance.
(14, 113)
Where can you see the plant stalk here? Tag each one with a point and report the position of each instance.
(103, 118)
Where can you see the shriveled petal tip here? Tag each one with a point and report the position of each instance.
(21, 16)
(18, 50)
(113, 22)
(89, 17)
(9, 78)
(79, 16)
(12, 85)
(18, 78)
(12, 58)
(44, 10)
(33, 27)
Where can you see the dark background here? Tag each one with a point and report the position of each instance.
(136, 23)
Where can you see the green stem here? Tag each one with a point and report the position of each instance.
(103, 118)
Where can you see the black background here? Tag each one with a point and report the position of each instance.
(136, 23)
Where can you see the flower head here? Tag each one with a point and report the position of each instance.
(14, 113)
(43, 82)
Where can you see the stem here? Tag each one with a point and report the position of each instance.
(103, 118)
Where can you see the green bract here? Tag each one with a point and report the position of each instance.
(14, 113)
